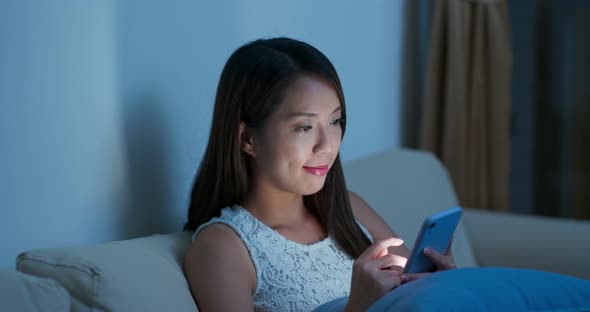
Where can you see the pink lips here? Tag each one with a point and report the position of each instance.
(319, 170)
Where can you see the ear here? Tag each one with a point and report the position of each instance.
(246, 139)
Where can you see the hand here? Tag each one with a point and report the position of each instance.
(371, 276)
(442, 263)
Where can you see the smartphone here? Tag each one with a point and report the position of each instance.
(436, 233)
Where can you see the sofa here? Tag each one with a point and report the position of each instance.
(403, 186)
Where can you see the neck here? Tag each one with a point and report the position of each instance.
(275, 207)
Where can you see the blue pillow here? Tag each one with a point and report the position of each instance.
(489, 289)
(483, 289)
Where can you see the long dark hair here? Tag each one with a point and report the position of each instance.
(251, 87)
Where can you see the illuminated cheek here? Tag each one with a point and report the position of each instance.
(336, 139)
(293, 154)
(300, 147)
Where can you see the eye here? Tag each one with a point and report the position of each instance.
(303, 128)
(337, 121)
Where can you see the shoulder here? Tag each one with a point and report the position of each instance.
(359, 206)
(362, 211)
(217, 253)
(220, 243)
(213, 236)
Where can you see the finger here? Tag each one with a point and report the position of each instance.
(387, 280)
(374, 250)
(408, 277)
(448, 252)
(398, 269)
(389, 260)
(439, 260)
(433, 255)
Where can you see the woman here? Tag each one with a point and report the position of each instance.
(275, 226)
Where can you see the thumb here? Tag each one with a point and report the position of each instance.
(408, 277)
(441, 262)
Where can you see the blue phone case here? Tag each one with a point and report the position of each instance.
(436, 233)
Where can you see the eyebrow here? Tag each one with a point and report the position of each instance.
(306, 114)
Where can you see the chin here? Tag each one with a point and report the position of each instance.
(310, 192)
(312, 189)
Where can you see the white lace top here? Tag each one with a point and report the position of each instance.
(289, 276)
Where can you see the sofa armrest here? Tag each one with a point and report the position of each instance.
(142, 274)
(23, 292)
(543, 243)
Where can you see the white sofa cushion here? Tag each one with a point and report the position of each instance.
(26, 293)
(143, 274)
(527, 241)
(404, 187)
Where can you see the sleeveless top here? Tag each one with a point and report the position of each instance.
(289, 276)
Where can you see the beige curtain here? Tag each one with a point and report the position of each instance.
(466, 109)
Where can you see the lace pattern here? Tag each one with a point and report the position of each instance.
(289, 276)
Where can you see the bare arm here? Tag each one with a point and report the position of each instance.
(219, 271)
(375, 224)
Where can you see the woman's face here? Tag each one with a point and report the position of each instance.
(299, 142)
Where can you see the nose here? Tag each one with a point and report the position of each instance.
(325, 142)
